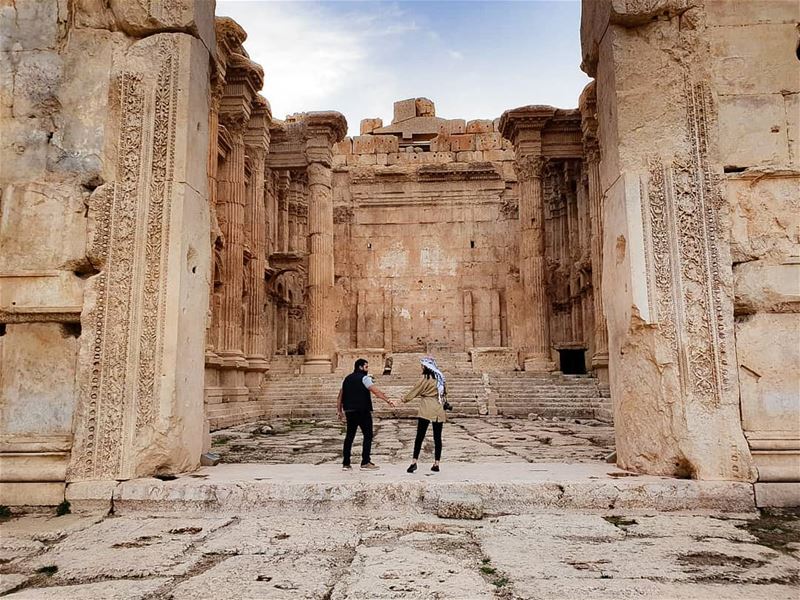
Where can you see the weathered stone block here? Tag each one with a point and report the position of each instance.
(404, 109)
(32, 24)
(343, 147)
(453, 126)
(386, 143)
(778, 495)
(365, 159)
(425, 107)
(364, 144)
(441, 143)
(753, 130)
(480, 126)
(474, 156)
(756, 58)
(369, 125)
(462, 142)
(487, 141)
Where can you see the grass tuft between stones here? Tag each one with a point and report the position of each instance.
(47, 570)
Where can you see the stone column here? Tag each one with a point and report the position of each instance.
(599, 361)
(230, 211)
(523, 127)
(255, 334)
(323, 130)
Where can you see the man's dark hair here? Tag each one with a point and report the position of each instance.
(360, 363)
(427, 373)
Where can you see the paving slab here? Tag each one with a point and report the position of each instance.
(508, 488)
(129, 589)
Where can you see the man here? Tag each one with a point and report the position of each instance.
(355, 403)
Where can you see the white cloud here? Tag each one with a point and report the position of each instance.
(455, 54)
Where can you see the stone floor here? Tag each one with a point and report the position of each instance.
(553, 556)
(482, 440)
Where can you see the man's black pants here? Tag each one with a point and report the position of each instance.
(422, 429)
(356, 419)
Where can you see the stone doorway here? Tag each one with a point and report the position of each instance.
(572, 361)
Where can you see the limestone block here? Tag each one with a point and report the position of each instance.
(496, 124)
(494, 360)
(768, 348)
(792, 103)
(757, 58)
(370, 125)
(31, 24)
(363, 160)
(56, 213)
(90, 497)
(381, 159)
(23, 149)
(778, 495)
(462, 142)
(443, 158)
(386, 143)
(364, 144)
(339, 160)
(32, 466)
(425, 108)
(765, 216)
(38, 371)
(343, 147)
(404, 109)
(753, 130)
(36, 81)
(454, 126)
(393, 158)
(441, 143)
(763, 287)
(474, 156)
(139, 19)
(498, 155)
(733, 12)
(126, 588)
(488, 141)
(32, 494)
(480, 126)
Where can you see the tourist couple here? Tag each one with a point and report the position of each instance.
(355, 404)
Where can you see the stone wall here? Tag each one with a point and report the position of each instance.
(697, 141)
(755, 77)
(425, 234)
(103, 226)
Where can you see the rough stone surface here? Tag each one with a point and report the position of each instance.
(552, 555)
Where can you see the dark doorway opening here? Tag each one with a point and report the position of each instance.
(572, 362)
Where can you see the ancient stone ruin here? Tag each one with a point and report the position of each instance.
(175, 259)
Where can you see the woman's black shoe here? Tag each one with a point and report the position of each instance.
(412, 468)
(435, 468)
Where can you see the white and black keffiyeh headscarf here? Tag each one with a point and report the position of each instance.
(430, 363)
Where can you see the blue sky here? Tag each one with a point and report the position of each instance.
(473, 59)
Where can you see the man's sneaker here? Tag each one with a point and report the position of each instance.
(370, 467)
(347, 468)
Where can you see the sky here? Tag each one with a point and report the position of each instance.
(473, 59)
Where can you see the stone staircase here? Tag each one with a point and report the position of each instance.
(290, 395)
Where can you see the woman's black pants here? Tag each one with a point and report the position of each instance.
(422, 429)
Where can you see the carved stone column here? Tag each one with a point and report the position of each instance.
(592, 151)
(523, 127)
(323, 130)
(255, 334)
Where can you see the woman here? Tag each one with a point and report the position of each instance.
(431, 391)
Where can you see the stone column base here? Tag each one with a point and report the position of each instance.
(317, 365)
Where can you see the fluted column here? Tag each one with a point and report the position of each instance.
(320, 269)
(600, 358)
(536, 353)
(230, 211)
(324, 130)
(592, 154)
(255, 330)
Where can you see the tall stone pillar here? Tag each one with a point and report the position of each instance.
(588, 107)
(255, 334)
(667, 283)
(523, 127)
(323, 130)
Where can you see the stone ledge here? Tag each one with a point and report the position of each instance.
(778, 495)
(510, 488)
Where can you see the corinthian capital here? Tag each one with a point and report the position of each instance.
(529, 167)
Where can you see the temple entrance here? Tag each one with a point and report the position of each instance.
(572, 361)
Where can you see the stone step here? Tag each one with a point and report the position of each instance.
(502, 488)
